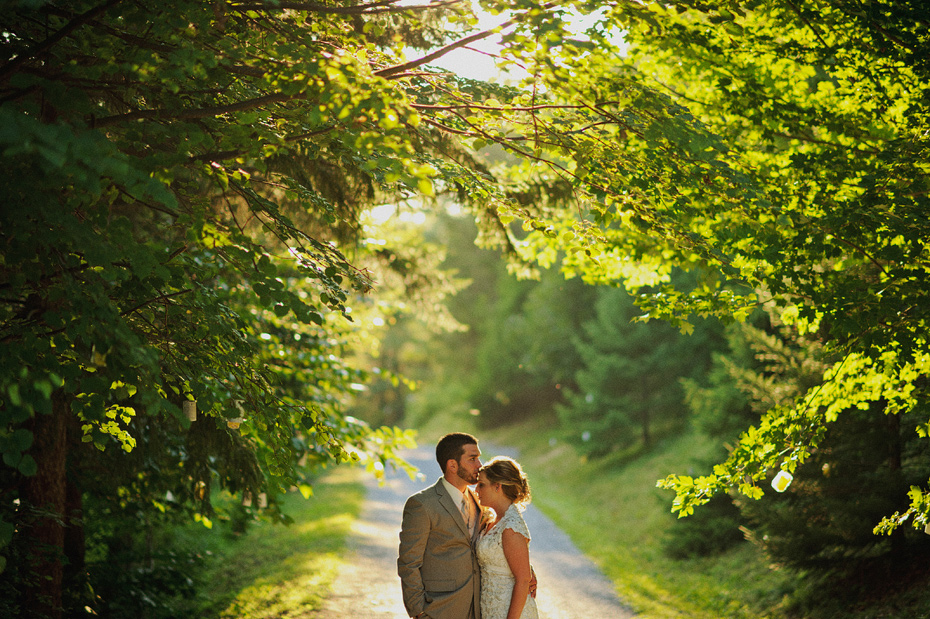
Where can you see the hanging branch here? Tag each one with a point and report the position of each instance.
(48, 43)
(396, 70)
(373, 8)
(187, 114)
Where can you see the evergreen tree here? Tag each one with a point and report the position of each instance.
(822, 525)
(526, 359)
(629, 389)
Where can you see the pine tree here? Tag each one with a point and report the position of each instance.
(629, 390)
(527, 360)
(822, 525)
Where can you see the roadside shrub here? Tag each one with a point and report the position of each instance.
(709, 531)
(161, 586)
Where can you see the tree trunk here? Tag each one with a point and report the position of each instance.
(75, 572)
(895, 449)
(45, 495)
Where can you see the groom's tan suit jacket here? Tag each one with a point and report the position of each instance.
(438, 568)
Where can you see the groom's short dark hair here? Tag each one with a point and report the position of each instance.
(452, 446)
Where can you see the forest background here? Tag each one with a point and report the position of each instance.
(726, 221)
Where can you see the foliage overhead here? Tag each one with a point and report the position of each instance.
(183, 184)
(780, 152)
(818, 201)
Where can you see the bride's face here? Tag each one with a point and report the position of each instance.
(487, 492)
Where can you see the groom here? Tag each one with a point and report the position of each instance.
(438, 569)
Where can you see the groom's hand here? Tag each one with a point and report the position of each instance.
(532, 582)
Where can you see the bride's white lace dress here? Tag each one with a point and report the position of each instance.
(496, 577)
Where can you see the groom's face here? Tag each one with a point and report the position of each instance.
(469, 463)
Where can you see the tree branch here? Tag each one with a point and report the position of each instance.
(362, 9)
(228, 154)
(203, 112)
(48, 43)
(807, 22)
(810, 140)
(391, 72)
(470, 106)
(446, 128)
(163, 297)
(164, 48)
(891, 37)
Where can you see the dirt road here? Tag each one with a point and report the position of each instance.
(570, 585)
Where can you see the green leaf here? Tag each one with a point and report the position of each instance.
(28, 466)
(13, 395)
(6, 533)
(20, 440)
(425, 186)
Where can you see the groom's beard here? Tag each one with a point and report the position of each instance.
(468, 478)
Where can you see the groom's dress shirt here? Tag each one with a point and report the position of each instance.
(465, 503)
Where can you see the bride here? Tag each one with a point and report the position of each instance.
(503, 548)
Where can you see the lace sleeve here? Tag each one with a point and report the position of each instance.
(513, 520)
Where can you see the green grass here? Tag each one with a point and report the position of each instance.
(282, 571)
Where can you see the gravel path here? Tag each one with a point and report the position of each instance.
(368, 587)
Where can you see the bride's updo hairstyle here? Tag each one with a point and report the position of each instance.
(509, 474)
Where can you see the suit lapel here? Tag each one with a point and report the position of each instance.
(451, 505)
